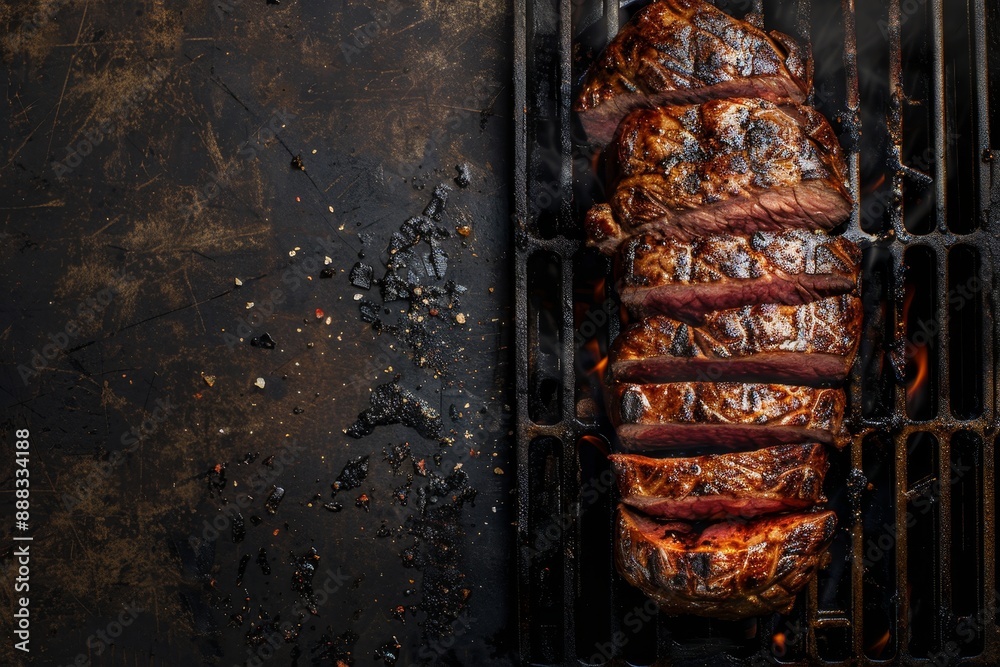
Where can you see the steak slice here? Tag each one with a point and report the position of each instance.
(813, 345)
(746, 484)
(724, 415)
(687, 279)
(684, 52)
(732, 166)
(729, 570)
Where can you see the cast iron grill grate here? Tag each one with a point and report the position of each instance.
(912, 574)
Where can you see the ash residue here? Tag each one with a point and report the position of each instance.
(391, 404)
(396, 455)
(354, 472)
(305, 569)
(388, 652)
(415, 275)
(438, 550)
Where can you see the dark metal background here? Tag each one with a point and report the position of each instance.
(907, 86)
(380, 91)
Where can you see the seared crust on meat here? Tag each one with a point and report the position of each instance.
(727, 166)
(731, 569)
(812, 344)
(686, 279)
(728, 415)
(687, 51)
(744, 484)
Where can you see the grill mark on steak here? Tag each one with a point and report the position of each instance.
(727, 166)
(724, 415)
(747, 484)
(730, 569)
(683, 52)
(687, 279)
(812, 344)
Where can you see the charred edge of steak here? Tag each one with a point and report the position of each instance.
(687, 279)
(727, 166)
(724, 416)
(731, 569)
(812, 344)
(764, 481)
(687, 51)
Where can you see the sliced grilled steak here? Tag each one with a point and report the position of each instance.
(727, 166)
(687, 279)
(719, 416)
(813, 344)
(729, 570)
(684, 52)
(747, 484)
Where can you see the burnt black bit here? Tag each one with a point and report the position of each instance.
(256, 520)
(396, 456)
(401, 494)
(438, 552)
(302, 578)
(388, 652)
(263, 341)
(437, 262)
(363, 502)
(369, 311)
(394, 288)
(297, 410)
(333, 507)
(464, 177)
(242, 569)
(239, 528)
(631, 407)
(391, 404)
(269, 461)
(326, 273)
(274, 499)
(439, 199)
(383, 531)
(297, 162)
(250, 457)
(335, 650)
(265, 566)
(353, 473)
(362, 275)
(262, 630)
(217, 477)
(274, 2)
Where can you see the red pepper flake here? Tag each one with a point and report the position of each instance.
(433, 312)
(319, 313)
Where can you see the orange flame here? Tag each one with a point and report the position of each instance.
(878, 647)
(778, 644)
(597, 443)
(921, 360)
(919, 355)
(599, 291)
(598, 369)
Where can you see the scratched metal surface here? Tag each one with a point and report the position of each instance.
(184, 118)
